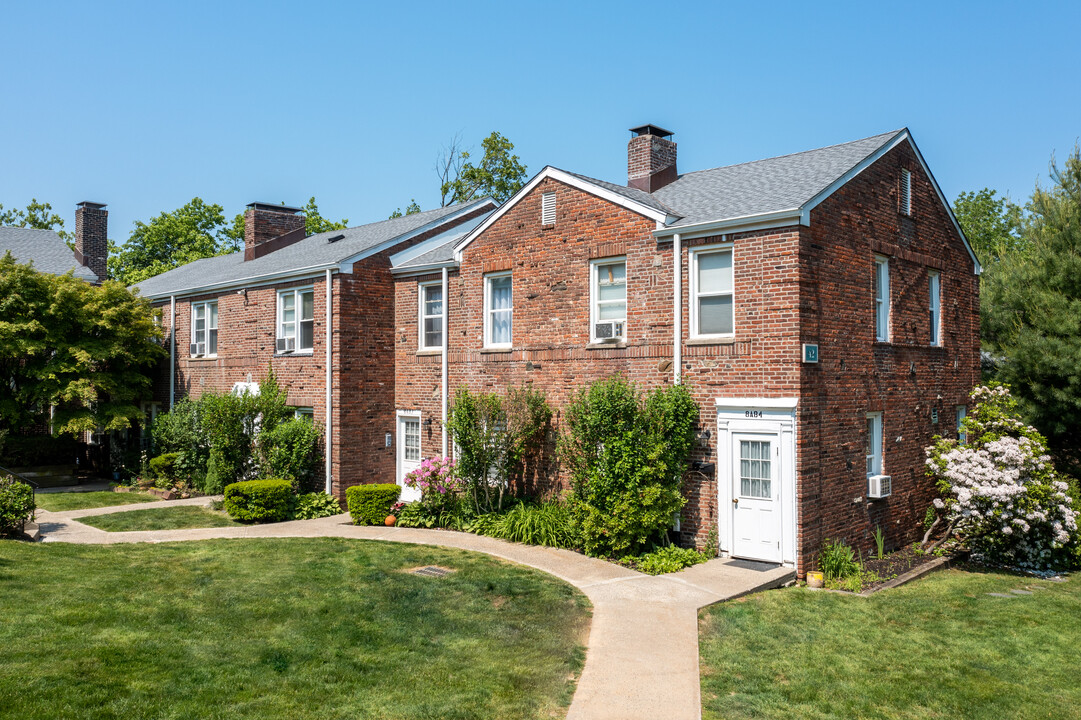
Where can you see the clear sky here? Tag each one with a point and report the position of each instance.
(145, 105)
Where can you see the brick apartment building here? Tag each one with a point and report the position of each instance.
(825, 315)
(48, 252)
(228, 319)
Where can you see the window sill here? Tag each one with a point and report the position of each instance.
(295, 353)
(607, 345)
(727, 340)
(430, 351)
(202, 358)
(495, 350)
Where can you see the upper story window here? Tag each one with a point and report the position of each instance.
(304, 413)
(204, 328)
(296, 320)
(882, 299)
(712, 293)
(548, 208)
(608, 300)
(935, 305)
(498, 310)
(906, 192)
(431, 316)
(874, 444)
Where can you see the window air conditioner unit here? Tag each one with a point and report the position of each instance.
(198, 349)
(879, 486)
(286, 345)
(608, 331)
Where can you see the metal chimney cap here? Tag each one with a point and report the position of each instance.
(274, 207)
(652, 130)
(91, 205)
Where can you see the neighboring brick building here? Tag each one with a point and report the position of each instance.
(228, 319)
(828, 325)
(48, 252)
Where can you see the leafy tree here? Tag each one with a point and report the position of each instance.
(37, 215)
(992, 224)
(411, 209)
(1032, 316)
(499, 174)
(86, 350)
(172, 239)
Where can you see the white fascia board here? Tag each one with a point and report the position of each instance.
(423, 269)
(347, 263)
(314, 271)
(567, 179)
(759, 221)
(902, 136)
(774, 403)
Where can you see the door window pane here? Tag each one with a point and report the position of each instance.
(411, 434)
(755, 475)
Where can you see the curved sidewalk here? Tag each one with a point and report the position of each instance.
(642, 653)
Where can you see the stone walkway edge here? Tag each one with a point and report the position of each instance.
(642, 651)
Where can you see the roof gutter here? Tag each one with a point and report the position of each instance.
(778, 218)
(424, 269)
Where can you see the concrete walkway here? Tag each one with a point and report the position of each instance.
(642, 654)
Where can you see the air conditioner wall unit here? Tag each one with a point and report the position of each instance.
(198, 349)
(879, 486)
(608, 331)
(286, 345)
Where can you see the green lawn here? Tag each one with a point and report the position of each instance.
(166, 518)
(940, 647)
(281, 628)
(61, 502)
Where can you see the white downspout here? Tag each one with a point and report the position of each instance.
(172, 350)
(327, 446)
(446, 351)
(677, 309)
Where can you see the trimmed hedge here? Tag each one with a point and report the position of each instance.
(370, 504)
(16, 505)
(164, 466)
(259, 500)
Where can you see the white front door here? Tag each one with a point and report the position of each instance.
(408, 453)
(756, 507)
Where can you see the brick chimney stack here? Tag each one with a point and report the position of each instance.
(92, 237)
(651, 158)
(270, 227)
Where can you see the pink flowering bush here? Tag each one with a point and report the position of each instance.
(1000, 492)
(439, 485)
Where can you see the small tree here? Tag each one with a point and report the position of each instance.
(627, 454)
(1000, 492)
(291, 452)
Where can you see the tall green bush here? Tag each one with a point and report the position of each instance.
(292, 451)
(181, 431)
(627, 453)
(16, 505)
(259, 501)
(370, 504)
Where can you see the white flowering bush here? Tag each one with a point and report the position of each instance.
(1000, 492)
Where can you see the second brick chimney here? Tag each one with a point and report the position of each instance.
(651, 158)
(270, 227)
(92, 237)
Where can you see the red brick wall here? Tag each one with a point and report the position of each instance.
(905, 378)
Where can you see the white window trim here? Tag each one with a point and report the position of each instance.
(960, 413)
(206, 327)
(594, 300)
(906, 192)
(884, 263)
(693, 270)
(877, 443)
(296, 323)
(488, 344)
(934, 288)
(421, 317)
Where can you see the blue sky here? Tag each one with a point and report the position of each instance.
(146, 105)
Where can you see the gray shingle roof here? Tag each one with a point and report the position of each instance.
(779, 183)
(639, 196)
(311, 252)
(45, 249)
(437, 250)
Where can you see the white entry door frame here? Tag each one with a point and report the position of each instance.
(771, 420)
(408, 452)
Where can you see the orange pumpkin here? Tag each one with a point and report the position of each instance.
(390, 521)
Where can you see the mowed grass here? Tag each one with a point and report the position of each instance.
(166, 518)
(940, 647)
(281, 628)
(62, 502)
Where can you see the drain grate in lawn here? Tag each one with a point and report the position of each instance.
(432, 571)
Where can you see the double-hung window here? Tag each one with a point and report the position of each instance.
(962, 411)
(711, 285)
(874, 444)
(882, 299)
(431, 316)
(296, 320)
(935, 305)
(498, 310)
(608, 293)
(204, 328)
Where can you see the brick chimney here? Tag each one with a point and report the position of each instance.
(270, 227)
(651, 158)
(92, 237)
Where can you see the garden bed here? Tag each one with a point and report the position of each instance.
(904, 564)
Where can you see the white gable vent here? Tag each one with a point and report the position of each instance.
(906, 192)
(548, 208)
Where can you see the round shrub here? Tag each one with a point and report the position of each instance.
(16, 505)
(370, 504)
(259, 501)
(164, 465)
